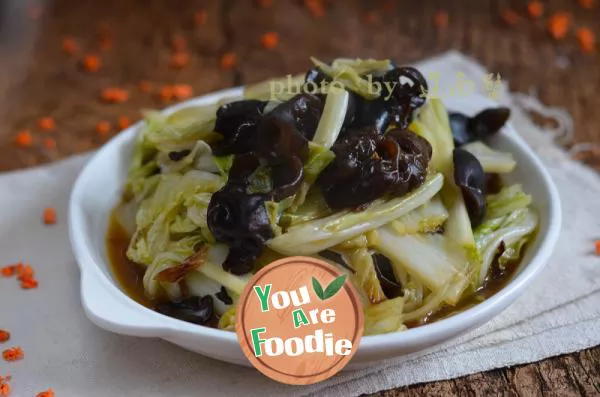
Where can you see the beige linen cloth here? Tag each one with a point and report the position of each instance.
(560, 313)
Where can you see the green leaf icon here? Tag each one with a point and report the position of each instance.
(317, 288)
(334, 287)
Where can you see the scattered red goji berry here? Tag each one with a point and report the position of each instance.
(47, 123)
(24, 138)
(123, 122)
(269, 40)
(70, 46)
(535, 9)
(179, 60)
(47, 393)
(228, 61)
(29, 283)
(166, 93)
(49, 216)
(559, 24)
(315, 7)
(182, 91)
(13, 354)
(587, 40)
(25, 272)
(114, 95)
(4, 337)
(8, 271)
(103, 128)
(4, 389)
(91, 63)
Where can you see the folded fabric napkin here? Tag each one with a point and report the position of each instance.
(560, 313)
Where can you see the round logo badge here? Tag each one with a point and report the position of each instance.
(299, 320)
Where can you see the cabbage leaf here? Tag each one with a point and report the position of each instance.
(492, 161)
(434, 118)
(510, 222)
(385, 317)
(318, 235)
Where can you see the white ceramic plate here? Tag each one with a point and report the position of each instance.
(97, 190)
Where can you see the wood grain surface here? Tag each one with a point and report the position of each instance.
(37, 79)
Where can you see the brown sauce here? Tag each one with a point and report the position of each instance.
(129, 276)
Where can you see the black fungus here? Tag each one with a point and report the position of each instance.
(303, 111)
(242, 168)
(354, 101)
(316, 77)
(479, 127)
(224, 297)
(286, 130)
(278, 136)
(287, 174)
(402, 92)
(237, 123)
(493, 183)
(357, 175)
(406, 88)
(195, 310)
(239, 220)
(470, 178)
(387, 279)
(412, 143)
(180, 155)
(337, 258)
(459, 124)
(369, 114)
(488, 122)
(367, 166)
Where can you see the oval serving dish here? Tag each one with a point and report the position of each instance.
(98, 189)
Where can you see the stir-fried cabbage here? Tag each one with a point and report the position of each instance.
(319, 158)
(361, 261)
(435, 258)
(159, 217)
(200, 285)
(349, 78)
(428, 218)
(318, 235)
(435, 120)
(363, 66)
(492, 161)
(181, 129)
(509, 223)
(332, 118)
(385, 317)
(227, 320)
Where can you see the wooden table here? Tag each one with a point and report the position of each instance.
(37, 79)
